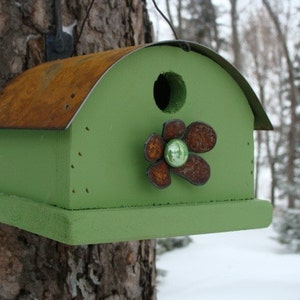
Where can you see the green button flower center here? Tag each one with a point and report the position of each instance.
(176, 153)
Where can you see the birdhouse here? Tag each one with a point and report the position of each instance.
(135, 143)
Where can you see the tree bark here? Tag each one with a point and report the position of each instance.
(31, 266)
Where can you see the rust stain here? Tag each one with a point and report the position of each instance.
(49, 75)
(49, 95)
(200, 137)
(196, 170)
(159, 174)
(154, 148)
(173, 129)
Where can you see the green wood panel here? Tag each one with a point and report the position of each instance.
(113, 225)
(109, 132)
(34, 164)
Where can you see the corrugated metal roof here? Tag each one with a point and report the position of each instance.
(50, 95)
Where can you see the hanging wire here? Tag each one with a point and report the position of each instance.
(184, 45)
(83, 23)
(165, 18)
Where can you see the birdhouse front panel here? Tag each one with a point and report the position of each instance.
(134, 143)
(107, 160)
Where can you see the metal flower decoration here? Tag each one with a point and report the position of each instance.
(175, 150)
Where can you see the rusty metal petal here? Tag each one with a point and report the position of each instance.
(159, 174)
(173, 129)
(154, 148)
(196, 170)
(200, 137)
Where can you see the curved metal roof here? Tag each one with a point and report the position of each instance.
(50, 95)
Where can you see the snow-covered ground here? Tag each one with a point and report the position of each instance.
(245, 265)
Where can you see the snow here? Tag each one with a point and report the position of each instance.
(242, 265)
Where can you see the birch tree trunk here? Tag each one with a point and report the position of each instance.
(33, 267)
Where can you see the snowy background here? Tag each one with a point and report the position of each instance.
(244, 265)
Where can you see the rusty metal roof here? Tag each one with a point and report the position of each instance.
(49, 96)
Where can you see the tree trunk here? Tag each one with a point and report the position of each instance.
(33, 267)
(236, 46)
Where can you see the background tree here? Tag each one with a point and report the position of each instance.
(33, 267)
(292, 134)
(264, 43)
(263, 64)
(235, 40)
(270, 46)
(195, 20)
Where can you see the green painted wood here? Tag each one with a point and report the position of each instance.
(35, 164)
(113, 225)
(109, 164)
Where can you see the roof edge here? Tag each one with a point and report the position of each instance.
(71, 91)
(261, 120)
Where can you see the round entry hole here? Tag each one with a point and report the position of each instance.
(169, 92)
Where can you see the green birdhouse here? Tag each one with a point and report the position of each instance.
(135, 143)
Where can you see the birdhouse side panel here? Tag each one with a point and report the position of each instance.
(34, 165)
(110, 131)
